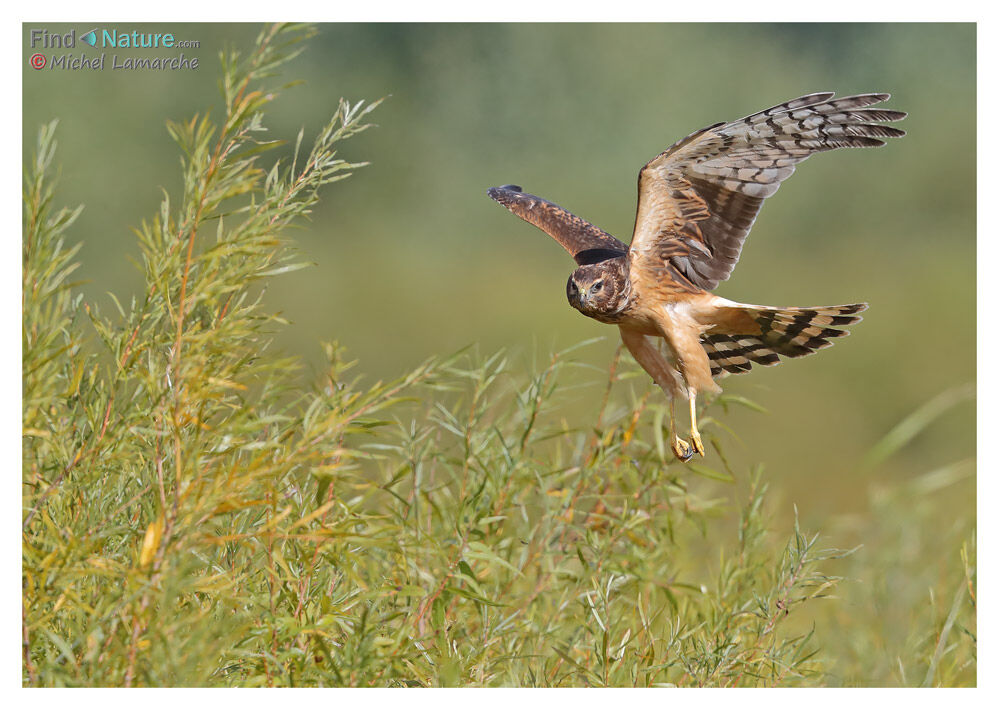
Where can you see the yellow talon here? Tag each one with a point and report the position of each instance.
(698, 446)
(695, 435)
(681, 449)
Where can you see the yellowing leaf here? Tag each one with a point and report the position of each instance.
(151, 542)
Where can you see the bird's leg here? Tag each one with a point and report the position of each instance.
(651, 360)
(695, 435)
(681, 449)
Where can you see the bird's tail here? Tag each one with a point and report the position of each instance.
(759, 335)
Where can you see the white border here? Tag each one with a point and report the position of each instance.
(534, 11)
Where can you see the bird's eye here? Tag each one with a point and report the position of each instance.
(597, 286)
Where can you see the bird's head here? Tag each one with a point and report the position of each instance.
(598, 290)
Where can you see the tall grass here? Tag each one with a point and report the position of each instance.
(194, 516)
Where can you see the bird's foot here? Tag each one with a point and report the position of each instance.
(681, 449)
(695, 437)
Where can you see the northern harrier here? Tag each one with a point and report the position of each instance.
(696, 203)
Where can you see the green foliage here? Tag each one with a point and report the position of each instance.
(910, 617)
(192, 517)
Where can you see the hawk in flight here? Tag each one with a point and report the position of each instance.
(696, 203)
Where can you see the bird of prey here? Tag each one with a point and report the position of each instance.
(697, 201)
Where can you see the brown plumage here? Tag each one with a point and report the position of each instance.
(697, 201)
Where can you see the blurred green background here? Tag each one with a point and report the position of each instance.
(414, 260)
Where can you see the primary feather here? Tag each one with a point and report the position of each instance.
(699, 198)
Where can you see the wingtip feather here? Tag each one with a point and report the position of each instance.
(501, 193)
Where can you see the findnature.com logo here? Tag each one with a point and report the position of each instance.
(109, 38)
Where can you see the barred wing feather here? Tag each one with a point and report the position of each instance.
(698, 199)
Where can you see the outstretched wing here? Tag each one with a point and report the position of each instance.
(586, 243)
(698, 200)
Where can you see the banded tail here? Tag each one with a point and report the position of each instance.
(774, 332)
